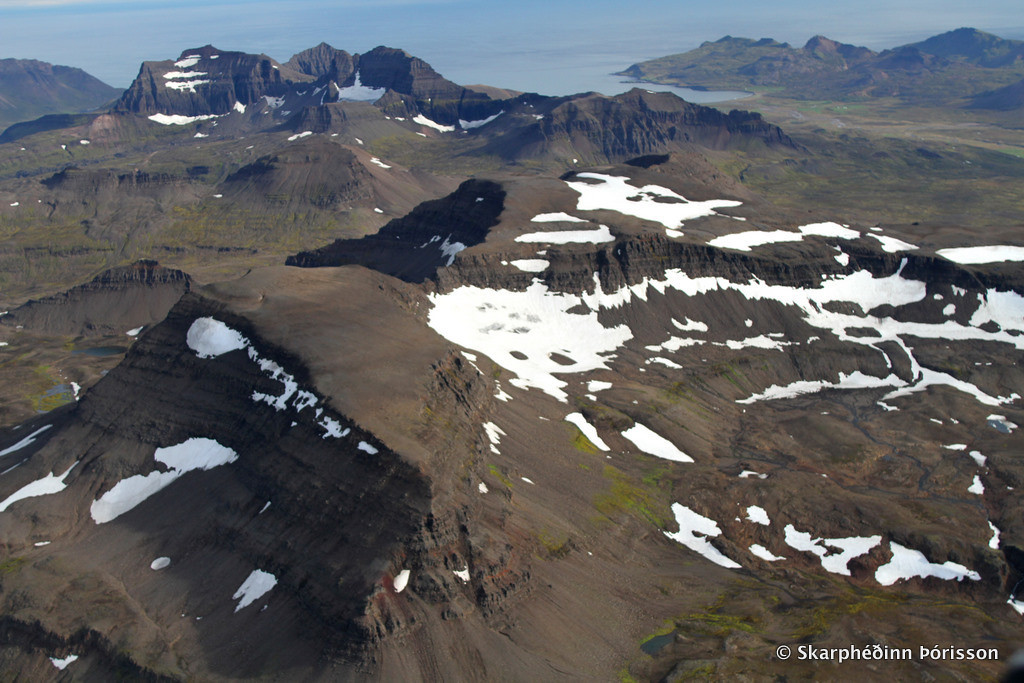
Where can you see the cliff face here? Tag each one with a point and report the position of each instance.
(222, 524)
(408, 85)
(324, 61)
(415, 246)
(202, 82)
(210, 82)
(115, 301)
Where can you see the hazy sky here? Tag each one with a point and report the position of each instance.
(541, 45)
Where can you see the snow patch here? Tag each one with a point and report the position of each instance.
(48, 485)
(535, 265)
(494, 434)
(402, 580)
(994, 541)
(210, 338)
(614, 193)
(521, 330)
(28, 440)
(588, 430)
(765, 554)
(558, 217)
(192, 454)
(758, 515)
(258, 584)
(835, 562)
(178, 119)
(468, 125)
(186, 85)
(63, 663)
(976, 255)
(907, 563)
(599, 236)
(357, 92)
(450, 249)
(654, 444)
(856, 380)
(745, 241)
(424, 121)
(891, 244)
(694, 530)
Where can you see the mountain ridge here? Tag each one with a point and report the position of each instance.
(31, 88)
(965, 60)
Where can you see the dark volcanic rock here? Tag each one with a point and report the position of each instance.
(422, 89)
(112, 303)
(415, 246)
(600, 129)
(324, 61)
(358, 501)
(219, 80)
(314, 171)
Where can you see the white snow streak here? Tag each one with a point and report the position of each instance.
(907, 563)
(255, 586)
(694, 530)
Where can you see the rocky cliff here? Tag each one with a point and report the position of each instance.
(113, 302)
(205, 82)
(415, 246)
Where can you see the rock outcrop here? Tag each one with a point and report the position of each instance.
(113, 302)
(413, 247)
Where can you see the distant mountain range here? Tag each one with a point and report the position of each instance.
(30, 88)
(965, 63)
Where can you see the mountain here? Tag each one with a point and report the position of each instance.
(206, 82)
(224, 80)
(974, 46)
(235, 155)
(1009, 98)
(119, 299)
(939, 70)
(30, 89)
(415, 88)
(617, 388)
(332, 369)
(599, 128)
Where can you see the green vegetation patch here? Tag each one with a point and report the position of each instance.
(500, 476)
(11, 565)
(624, 496)
(851, 602)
